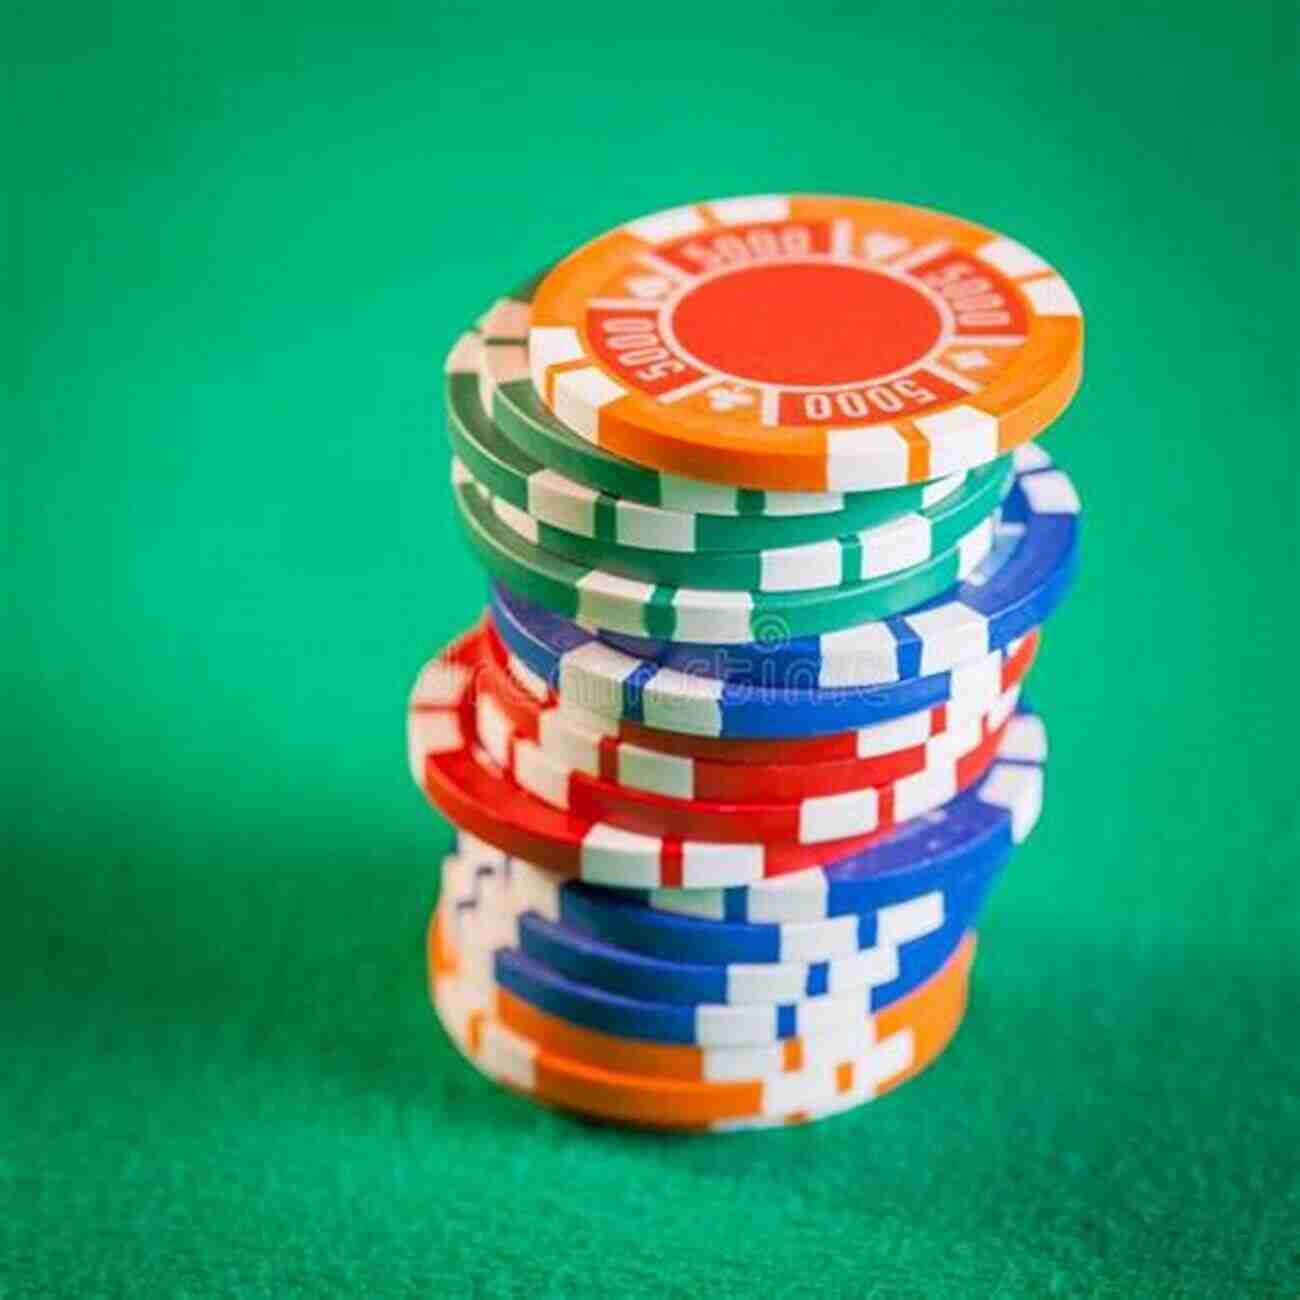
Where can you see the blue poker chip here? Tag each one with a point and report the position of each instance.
(892, 963)
(555, 649)
(841, 680)
(709, 1024)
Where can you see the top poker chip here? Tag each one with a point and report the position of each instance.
(805, 343)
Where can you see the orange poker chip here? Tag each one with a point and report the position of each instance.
(805, 343)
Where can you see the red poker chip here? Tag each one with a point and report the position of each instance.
(451, 765)
(568, 764)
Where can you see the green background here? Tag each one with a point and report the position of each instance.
(243, 244)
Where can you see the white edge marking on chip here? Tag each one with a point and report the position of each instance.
(585, 719)
(510, 1056)
(784, 1094)
(898, 544)
(464, 356)
(725, 1065)
(579, 396)
(578, 748)
(751, 207)
(508, 318)
(550, 345)
(866, 655)
(591, 678)
(503, 363)
(837, 816)
(609, 601)
(960, 438)
(541, 775)
(1011, 258)
(765, 982)
(835, 936)
(494, 730)
(979, 681)
(650, 528)
(706, 904)
(1050, 493)
(962, 735)
(704, 615)
(899, 923)
(1025, 739)
(520, 522)
(892, 1057)
(825, 1014)
(440, 685)
(676, 701)
(717, 1024)
(876, 455)
(559, 501)
(802, 503)
(1030, 456)
(796, 896)
(705, 865)
(431, 733)
(452, 1009)
(924, 790)
(950, 634)
(903, 732)
(669, 775)
(798, 568)
(866, 968)
(533, 889)
(624, 859)
(1018, 789)
(671, 223)
(1052, 297)
(692, 497)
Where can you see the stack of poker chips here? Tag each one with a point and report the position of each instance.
(740, 744)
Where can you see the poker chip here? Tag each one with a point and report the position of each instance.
(754, 724)
(837, 561)
(799, 723)
(739, 748)
(495, 901)
(898, 1044)
(814, 343)
(506, 541)
(578, 511)
(511, 401)
(964, 697)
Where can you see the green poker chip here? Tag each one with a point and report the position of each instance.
(605, 521)
(599, 599)
(876, 552)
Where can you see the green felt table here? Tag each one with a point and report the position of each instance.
(244, 241)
